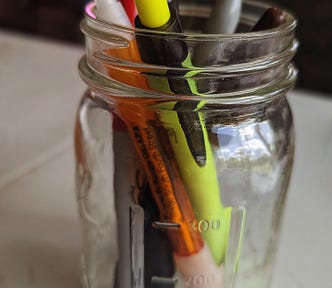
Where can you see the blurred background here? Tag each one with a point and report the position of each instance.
(59, 19)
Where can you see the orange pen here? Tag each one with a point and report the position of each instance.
(113, 11)
(152, 145)
(158, 160)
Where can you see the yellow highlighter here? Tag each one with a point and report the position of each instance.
(192, 151)
(153, 13)
(197, 169)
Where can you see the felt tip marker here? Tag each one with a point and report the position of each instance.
(153, 13)
(159, 50)
(192, 149)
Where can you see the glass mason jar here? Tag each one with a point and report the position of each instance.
(184, 157)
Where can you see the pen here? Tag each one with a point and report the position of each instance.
(241, 52)
(128, 176)
(167, 191)
(162, 172)
(112, 11)
(130, 8)
(133, 192)
(176, 214)
(152, 236)
(160, 264)
(127, 166)
(272, 18)
(224, 17)
(151, 142)
(191, 147)
(207, 260)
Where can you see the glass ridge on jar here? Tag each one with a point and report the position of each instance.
(182, 171)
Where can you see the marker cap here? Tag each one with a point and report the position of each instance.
(153, 13)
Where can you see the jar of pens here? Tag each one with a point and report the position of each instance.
(184, 142)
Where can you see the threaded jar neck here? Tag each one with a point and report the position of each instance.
(135, 62)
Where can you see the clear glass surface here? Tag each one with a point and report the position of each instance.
(184, 184)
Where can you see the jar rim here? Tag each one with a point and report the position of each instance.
(285, 28)
(100, 85)
(261, 66)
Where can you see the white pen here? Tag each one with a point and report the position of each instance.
(112, 11)
(224, 18)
